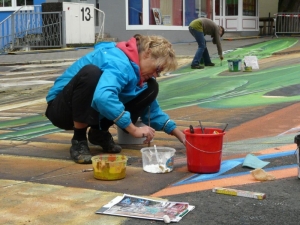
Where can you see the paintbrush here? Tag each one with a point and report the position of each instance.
(225, 128)
(158, 161)
(149, 123)
(201, 127)
(191, 129)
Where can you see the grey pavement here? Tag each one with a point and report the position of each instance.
(67, 55)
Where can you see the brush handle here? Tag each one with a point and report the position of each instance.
(225, 128)
(202, 129)
(191, 129)
(149, 123)
(156, 154)
(298, 162)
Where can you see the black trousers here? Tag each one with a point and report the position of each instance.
(73, 103)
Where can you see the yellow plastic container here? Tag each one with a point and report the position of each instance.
(109, 166)
(248, 68)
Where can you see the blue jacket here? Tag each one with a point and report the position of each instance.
(120, 82)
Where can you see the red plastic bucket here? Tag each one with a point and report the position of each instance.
(204, 150)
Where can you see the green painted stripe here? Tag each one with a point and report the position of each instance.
(29, 133)
(22, 121)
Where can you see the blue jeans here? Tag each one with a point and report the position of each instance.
(202, 51)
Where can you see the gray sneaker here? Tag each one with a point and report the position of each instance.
(80, 152)
(104, 139)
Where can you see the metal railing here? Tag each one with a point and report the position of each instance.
(42, 31)
(28, 29)
(287, 23)
(31, 29)
(6, 30)
(100, 17)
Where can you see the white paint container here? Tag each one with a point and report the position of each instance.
(165, 156)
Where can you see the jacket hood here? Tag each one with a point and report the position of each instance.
(130, 49)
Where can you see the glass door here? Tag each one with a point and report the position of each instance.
(218, 7)
(232, 8)
(218, 15)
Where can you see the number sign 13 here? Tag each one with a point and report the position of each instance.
(86, 13)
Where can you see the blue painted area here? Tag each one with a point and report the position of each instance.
(227, 165)
(248, 172)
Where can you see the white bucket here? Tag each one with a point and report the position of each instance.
(127, 139)
(165, 156)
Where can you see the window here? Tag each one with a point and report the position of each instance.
(14, 3)
(232, 7)
(24, 2)
(217, 7)
(159, 14)
(135, 12)
(190, 11)
(195, 9)
(249, 7)
(165, 12)
(5, 3)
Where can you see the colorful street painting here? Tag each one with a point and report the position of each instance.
(213, 87)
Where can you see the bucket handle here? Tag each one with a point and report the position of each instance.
(200, 149)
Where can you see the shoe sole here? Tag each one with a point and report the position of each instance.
(82, 161)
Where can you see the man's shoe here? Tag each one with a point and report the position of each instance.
(210, 64)
(197, 67)
(80, 152)
(104, 139)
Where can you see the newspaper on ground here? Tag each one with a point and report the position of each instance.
(251, 61)
(145, 208)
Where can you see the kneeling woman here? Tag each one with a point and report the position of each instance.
(114, 84)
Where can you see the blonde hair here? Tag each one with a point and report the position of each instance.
(161, 50)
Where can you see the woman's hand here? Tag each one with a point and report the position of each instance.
(145, 132)
(141, 132)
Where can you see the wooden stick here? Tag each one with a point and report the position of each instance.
(235, 192)
(149, 123)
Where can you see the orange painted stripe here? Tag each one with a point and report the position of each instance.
(278, 149)
(224, 182)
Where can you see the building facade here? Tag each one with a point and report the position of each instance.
(170, 18)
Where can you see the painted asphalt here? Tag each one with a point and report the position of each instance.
(41, 185)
